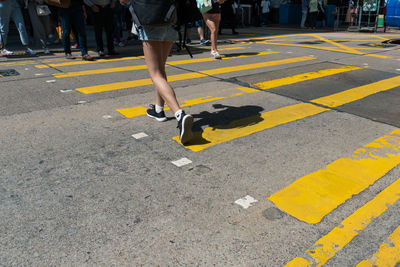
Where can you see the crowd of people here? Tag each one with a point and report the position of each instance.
(49, 22)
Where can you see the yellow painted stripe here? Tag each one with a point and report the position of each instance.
(42, 66)
(142, 67)
(352, 50)
(187, 76)
(232, 48)
(357, 93)
(313, 196)
(244, 127)
(81, 62)
(308, 46)
(327, 246)
(388, 253)
(140, 111)
(304, 77)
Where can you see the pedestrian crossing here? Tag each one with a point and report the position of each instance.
(309, 198)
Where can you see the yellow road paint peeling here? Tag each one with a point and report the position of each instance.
(357, 93)
(187, 76)
(218, 134)
(388, 253)
(313, 196)
(304, 77)
(327, 246)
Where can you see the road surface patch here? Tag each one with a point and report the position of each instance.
(388, 253)
(188, 76)
(140, 111)
(327, 246)
(304, 77)
(143, 67)
(312, 197)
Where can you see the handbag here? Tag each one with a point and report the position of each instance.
(154, 12)
(43, 10)
(59, 3)
(204, 5)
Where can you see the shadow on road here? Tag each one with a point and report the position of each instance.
(226, 117)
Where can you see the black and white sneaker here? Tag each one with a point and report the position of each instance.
(151, 112)
(185, 128)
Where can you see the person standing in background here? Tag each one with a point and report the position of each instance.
(102, 11)
(10, 9)
(313, 12)
(41, 24)
(264, 12)
(73, 15)
(228, 16)
(304, 11)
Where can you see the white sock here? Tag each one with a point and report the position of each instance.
(158, 108)
(178, 114)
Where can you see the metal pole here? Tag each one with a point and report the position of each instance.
(377, 15)
(359, 18)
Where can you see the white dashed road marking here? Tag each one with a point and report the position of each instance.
(51, 81)
(139, 135)
(107, 117)
(246, 201)
(65, 90)
(181, 162)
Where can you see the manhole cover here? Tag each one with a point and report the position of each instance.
(9, 72)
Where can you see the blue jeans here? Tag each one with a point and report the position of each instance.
(10, 9)
(73, 16)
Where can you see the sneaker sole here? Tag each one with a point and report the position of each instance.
(187, 133)
(158, 119)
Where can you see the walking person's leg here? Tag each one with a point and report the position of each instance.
(156, 53)
(98, 29)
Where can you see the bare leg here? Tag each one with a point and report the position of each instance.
(212, 21)
(156, 53)
(200, 30)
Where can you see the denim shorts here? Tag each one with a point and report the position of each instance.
(158, 33)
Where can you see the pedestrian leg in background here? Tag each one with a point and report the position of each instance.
(212, 21)
(156, 54)
(109, 27)
(78, 21)
(40, 26)
(5, 12)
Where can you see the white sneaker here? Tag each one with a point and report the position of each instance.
(5, 52)
(46, 51)
(215, 54)
(30, 52)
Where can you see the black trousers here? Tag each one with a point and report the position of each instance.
(103, 19)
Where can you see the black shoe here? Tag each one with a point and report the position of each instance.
(185, 128)
(151, 112)
(235, 32)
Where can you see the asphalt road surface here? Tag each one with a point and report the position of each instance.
(295, 159)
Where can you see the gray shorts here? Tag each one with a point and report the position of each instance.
(158, 33)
